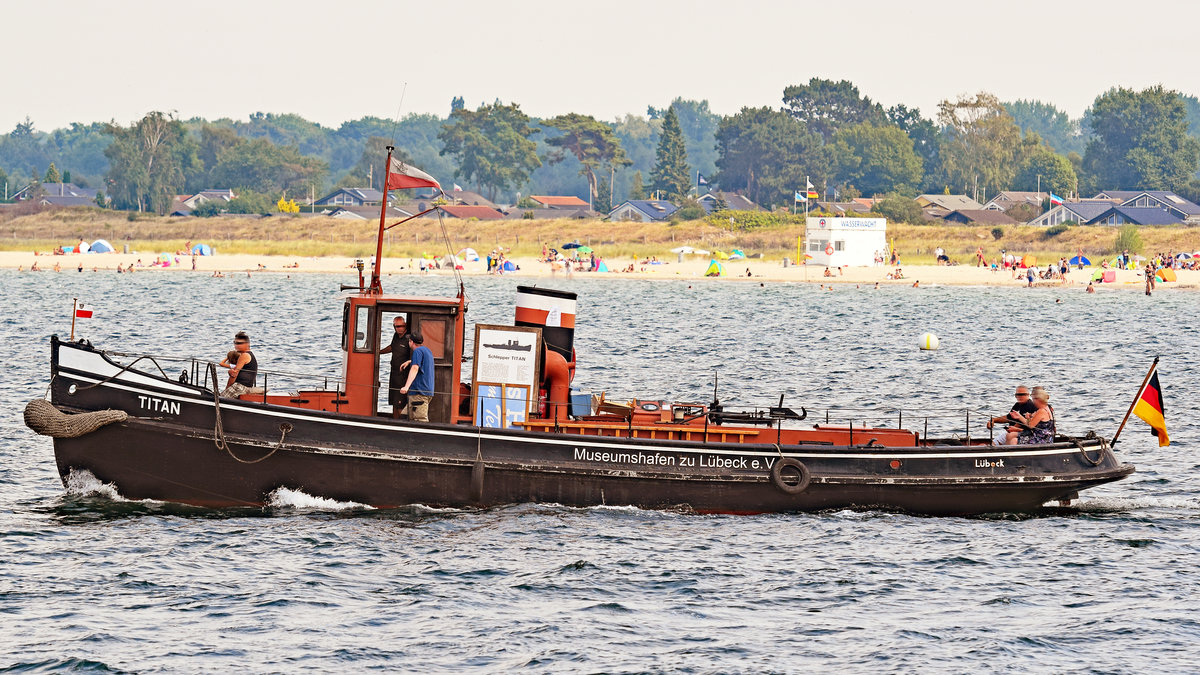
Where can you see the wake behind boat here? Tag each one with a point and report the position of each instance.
(505, 427)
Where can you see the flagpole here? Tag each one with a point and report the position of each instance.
(376, 286)
(74, 306)
(1141, 389)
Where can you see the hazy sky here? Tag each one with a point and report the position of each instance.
(77, 60)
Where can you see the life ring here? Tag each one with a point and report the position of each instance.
(828, 249)
(801, 481)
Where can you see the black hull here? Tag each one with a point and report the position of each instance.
(166, 451)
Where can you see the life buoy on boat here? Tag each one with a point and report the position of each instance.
(796, 479)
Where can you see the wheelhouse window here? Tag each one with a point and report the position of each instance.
(362, 328)
(433, 331)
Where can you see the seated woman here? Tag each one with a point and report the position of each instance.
(1040, 425)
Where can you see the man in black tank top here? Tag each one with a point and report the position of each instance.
(401, 353)
(243, 375)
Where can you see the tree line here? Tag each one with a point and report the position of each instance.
(825, 131)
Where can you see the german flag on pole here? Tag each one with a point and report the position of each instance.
(1149, 407)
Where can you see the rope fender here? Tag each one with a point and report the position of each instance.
(45, 419)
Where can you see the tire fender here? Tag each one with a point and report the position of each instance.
(785, 483)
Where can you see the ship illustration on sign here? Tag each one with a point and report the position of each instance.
(512, 345)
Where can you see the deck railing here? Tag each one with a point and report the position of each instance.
(952, 425)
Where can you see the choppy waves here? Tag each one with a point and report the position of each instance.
(93, 582)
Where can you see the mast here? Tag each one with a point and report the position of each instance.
(376, 286)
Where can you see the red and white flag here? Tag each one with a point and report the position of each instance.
(83, 311)
(402, 176)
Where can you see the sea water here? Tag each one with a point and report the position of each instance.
(91, 582)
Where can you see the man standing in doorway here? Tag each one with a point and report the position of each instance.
(401, 355)
(419, 387)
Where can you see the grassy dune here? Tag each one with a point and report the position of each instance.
(320, 236)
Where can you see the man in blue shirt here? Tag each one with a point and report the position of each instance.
(420, 379)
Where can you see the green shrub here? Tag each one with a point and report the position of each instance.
(997, 233)
(898, 209)
(1055, 230)
(1128, 239)
(754, 220)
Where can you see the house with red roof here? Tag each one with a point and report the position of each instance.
(560, 202)
(477, 212)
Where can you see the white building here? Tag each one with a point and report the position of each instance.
(845, 241)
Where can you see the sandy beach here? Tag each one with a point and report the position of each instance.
(692, 268)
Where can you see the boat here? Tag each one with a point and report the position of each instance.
(506, 427)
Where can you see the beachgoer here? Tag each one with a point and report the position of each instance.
(420, 379)
(401, 354)
(1022, 408)
(1040, 425)
(917, 283)
(244, 373)
(1029, 277)
(1091, 288)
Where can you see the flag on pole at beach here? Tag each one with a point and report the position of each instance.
(799, 196)
(700, 179)
(1055, 200)
(401, 176)
(1149, 407)
(83, 311)
(457, 187)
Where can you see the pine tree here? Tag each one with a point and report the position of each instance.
(66, 176)
(52, 175)
(603, 203)
(672, 175)
(636, 189)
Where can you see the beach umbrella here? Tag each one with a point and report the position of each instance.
(1079, 260)
(572, 244)
(1196, 254)
(469, 255)
(688, 250)
(808, 256)
(1029, 261)
(1181, 256)
(585, 249)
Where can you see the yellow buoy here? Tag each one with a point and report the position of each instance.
(929, 341)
